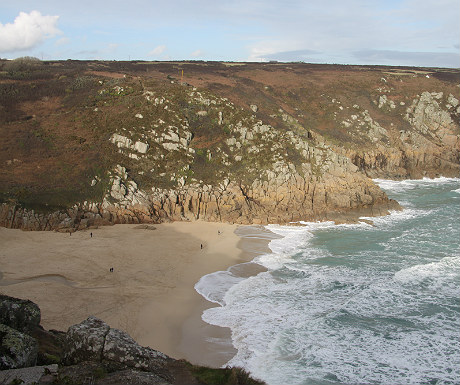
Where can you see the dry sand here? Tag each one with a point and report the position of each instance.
(150, 294)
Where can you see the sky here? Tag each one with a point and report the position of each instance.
(422, 33)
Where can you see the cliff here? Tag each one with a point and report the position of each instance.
(91, 143)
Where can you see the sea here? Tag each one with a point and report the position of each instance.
(369, 303)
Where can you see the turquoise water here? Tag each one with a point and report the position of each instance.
(353, 304)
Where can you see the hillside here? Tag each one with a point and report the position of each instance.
(90, 143)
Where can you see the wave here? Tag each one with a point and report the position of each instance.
(214, 286)
(409, 184)
(341, 325)
(395, 217)
(440, 276)
(350, 303)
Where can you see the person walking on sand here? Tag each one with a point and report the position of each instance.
(91, 234)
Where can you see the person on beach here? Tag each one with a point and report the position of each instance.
(201, 246)
(91, 234)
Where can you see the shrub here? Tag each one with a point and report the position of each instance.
(25, 63)
(224, 376)
(26, 67)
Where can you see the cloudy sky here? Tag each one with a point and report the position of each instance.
(390, 32)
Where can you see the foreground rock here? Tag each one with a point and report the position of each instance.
(18, 318)
(94, 341)
(17, 350)
(90, 352)
(19, 314)
(31, 375)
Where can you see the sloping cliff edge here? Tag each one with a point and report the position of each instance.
(96, 143)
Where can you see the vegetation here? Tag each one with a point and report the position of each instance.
(56, 119)
(225, 376)
(26, 67)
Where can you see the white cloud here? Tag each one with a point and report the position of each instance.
(265, 49)
(197, 53)
(157, 50)
(27, 31)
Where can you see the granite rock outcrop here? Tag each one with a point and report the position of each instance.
(17, 349)
(94, 341)
(17, 319)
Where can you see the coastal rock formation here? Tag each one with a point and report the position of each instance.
(94, 340)
(85, 341)
(31, 375)
(17, 318)
(17, 350)
(261, 203)
(19, 314)
(244, 144)
(428, 146)
(23, 342)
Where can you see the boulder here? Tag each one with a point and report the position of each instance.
(17, 350)
(85, 341)
(94, 341)
(122, 352)
(19, 314)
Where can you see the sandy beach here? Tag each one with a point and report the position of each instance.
(150, 293)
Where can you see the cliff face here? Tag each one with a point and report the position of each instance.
(246, 143)
(425, 145)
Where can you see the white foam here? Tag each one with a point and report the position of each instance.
(214, 286)
(282, 327)
(409, 184)
(439, 276)
(396, 216)
(387, 319)
(292, 237)
(277, 325)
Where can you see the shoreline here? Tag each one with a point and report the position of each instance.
(216, 347)
(150, 294)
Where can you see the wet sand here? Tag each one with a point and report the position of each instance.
(150, 293)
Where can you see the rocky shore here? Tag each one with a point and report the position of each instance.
(341, 200)
(89, 352)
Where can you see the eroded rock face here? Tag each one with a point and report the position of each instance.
(94, 341)
(282, 198)
(17, 350)
(19, 314)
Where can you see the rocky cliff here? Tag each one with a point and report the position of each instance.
(90, 143)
